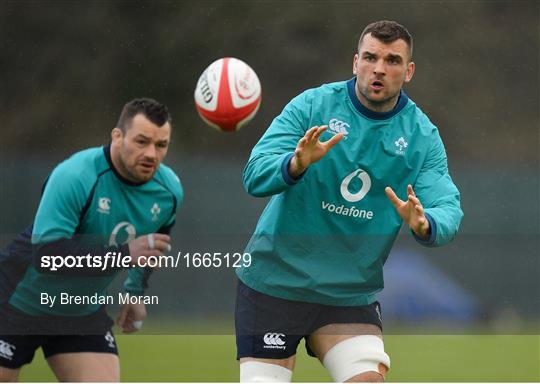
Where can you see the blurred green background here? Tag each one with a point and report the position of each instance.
(67, 68)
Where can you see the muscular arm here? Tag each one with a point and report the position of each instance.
(439, 196)
(266, 172)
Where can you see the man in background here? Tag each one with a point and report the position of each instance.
(118, 199)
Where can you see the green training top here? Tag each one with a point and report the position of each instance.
(325, 237)
(87, 206)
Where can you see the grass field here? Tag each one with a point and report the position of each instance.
(414, 358)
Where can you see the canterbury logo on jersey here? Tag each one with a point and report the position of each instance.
(336, 126)
(274, 341)
(6, 350)
(104, 205)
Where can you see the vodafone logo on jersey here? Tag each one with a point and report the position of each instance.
(122, 233)
(352, 192)
(357, 196)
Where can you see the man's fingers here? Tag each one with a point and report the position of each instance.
(121, 319)
(150, 241)
(313, 133)
(410, 190)
(333, 141)
(319, 132)
(137, 324)
(161, 237)
(310, 132)
(163, 246)
(393, 197)
(126, 324)
(413, 199)
(158, 241)
(301, 145)
(417, 205)
(128, 328)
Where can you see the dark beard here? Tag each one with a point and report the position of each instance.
(380, 106)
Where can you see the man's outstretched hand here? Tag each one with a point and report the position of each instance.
(310, 150)
(131, 317)
(411, 211)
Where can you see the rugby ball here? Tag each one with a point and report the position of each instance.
(228, 94)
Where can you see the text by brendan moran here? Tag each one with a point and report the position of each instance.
(65, 298)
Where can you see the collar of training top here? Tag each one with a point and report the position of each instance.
(107, 152)
(402, 102)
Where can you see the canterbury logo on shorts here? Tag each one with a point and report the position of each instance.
(6, 350)
(274, 341)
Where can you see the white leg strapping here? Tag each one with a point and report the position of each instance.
(257, 372)
(354, 356)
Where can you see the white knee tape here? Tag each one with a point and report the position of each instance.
(257, 372)
(354, 356)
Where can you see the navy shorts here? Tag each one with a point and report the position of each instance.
(271, 328)
(21, 335)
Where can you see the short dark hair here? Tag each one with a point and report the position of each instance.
(388, 32)
(153, 110)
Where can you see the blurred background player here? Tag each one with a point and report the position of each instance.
(335, 161)
(116, 198)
